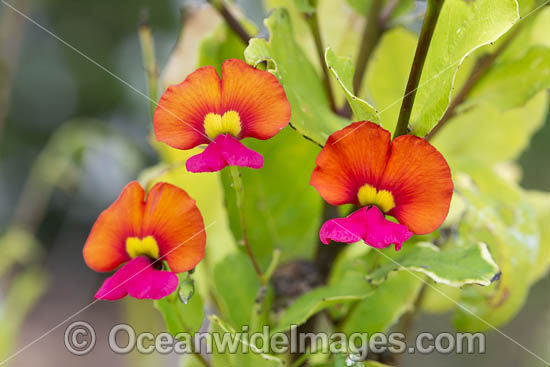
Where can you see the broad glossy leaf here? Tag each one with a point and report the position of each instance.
(511, 84)
(541, 203)
(455, 266)
(253, 357)
(281, 209)
(236, 286)
(463, 26)
(311, 114)
(180, 317)
(342, 69)
(315, 301)
(499, 135)
(497, 214)
(385, 304)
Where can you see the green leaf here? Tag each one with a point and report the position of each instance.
(455, 267)
(463, 27)
(385, 304)
(511, 84)
(342, 69)
(180, 317)
(541, 203)
(236, 286)
(498, 214)
(440, 298)
(254, 357)
(499, 135)
(311, 114)
(315, 301)
(282, 210)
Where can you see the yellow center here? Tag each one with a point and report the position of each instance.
(229, 123)
(142, 246)
(369, 195)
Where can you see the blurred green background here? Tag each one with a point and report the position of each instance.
(72, 135)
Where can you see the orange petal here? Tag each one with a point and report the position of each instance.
(105, 248)
(258, 98)
(175, 222)
(179, 117)
(352, 157)
(420, 180)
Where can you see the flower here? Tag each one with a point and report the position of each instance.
(142, 232)
(407, 179)
(204, 109)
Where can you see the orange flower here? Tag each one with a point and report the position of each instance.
(204, 109)
(407, 179)
(142, 232)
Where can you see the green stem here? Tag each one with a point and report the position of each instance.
(426, 34)
(272, 266)
(313, 22)
(231, 21)
(371, 35)
(239, 192)
(148, 56)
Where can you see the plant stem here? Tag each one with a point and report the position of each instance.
(239, 192)
(326, 254)
(407, 320)
(231, 21)
(313, 22)
(371, 35)
(426, 34)
(12, 32)
(148, 55)
(481, 67)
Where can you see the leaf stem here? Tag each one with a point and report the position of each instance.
(374, 28)
(313, 22)
(149, 62)
(239, 191)
(426, 34)
(231, 21)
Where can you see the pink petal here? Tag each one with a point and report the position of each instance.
(138, 279)
(223, 151)
(368, 224)
(346, 230)
(381, 232)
